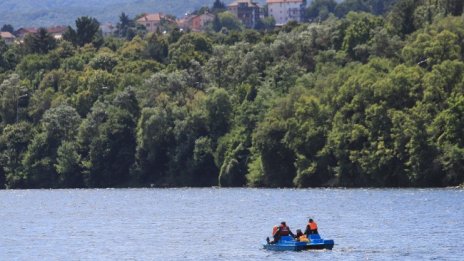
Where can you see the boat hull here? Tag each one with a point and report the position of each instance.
(287, 243)
(328, 244)
(286, 246)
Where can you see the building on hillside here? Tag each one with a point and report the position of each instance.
(285, 11)
(154, 22)
(195, 23)
(57, 31)
(22, 32)
(246, 11)
(8, 37)
(184, 22)
(107, 29)
(199, 21)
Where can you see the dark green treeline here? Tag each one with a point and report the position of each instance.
(350, 100)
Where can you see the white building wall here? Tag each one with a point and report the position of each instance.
(285, 11)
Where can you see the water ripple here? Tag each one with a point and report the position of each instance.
(228, 224)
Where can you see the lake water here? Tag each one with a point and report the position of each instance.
(229, 224)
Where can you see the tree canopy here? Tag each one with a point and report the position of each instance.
(352, 99)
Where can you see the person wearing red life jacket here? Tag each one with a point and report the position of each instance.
(282, 230)
(311, 228)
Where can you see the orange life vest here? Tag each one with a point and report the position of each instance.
(303, 238)
(284, 231)
(312, 225)
(274, 230)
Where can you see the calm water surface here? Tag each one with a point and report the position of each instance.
(228, 224)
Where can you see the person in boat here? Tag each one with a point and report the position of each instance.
(311, 228)
(282, 230)
(300, 236)
(274, 233)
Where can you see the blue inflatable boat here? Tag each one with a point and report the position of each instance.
(288, 243)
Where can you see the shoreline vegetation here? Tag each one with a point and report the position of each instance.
(356, 99)
(459, 187)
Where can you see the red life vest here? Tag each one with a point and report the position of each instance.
(312, 225)
(284, 231)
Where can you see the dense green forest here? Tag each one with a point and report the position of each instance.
(358, 99)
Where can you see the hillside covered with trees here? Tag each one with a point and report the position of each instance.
(34, 13)
(355, 99)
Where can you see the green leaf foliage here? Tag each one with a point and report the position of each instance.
(350, 99)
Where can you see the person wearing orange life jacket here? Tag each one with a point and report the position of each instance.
(275, 229)
(311, 228)
(300, 236)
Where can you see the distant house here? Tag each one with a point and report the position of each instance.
(153, 22)
(184, 23)
(199, 21)
(195, 23)
(7, 37)
(22, 32)
(246, 11)
(285, 11)
(107, 29)
(57, 31)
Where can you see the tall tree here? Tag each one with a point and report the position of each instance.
(87, 31)
(452, 7)
(217, 25)
(401, 18)
(126, 27)
(14, 142)
(7, 28)
(107, 137)
(11, 92)
(347, 6)
(58, 125)
(218, 6)
(320, 9)
(41, 42)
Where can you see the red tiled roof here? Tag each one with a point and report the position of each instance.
(57, 29)
(30, 30)
(6, 35)
(151, 17)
